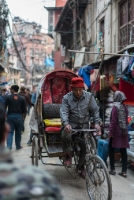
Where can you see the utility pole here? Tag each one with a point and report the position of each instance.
(32, 61)
(74, 27)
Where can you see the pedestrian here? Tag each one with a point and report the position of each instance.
(22, 182)
(75, 112)
(33, 99)
(28, 106)
(26, 96)
(118, 133)
(28, 102)
(2, 100)
(103, 149)
(16, 110)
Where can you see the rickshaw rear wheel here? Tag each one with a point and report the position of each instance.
(98, 181)
(34, 155)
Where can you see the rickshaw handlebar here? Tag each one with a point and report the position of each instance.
(83, 130)
(74, 131)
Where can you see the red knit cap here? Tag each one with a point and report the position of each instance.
(77, 82)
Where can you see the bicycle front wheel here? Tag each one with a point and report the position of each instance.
(98, 181)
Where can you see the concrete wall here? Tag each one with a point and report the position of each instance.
(104, 9)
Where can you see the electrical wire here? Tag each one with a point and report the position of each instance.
(16, 49)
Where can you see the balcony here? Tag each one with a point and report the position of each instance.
(126, 35)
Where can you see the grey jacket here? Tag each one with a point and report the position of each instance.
(76, 112)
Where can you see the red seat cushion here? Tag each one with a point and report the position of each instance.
(52, 129)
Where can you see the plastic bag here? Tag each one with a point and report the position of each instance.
(125, 61)
(119, 68)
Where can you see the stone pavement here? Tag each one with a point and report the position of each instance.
(74, 189)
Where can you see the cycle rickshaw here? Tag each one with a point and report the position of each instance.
(47, 139)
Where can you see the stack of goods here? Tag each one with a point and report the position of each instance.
(108, 110)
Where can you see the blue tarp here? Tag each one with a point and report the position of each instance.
(49, 62)
(84, 73)
(4, 83)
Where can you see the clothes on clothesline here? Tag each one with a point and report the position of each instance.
(125, 68)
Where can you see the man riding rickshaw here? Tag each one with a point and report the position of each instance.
(78, 106)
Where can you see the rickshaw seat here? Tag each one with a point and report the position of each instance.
(56, 122)
(52, 129)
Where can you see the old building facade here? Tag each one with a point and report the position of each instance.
(99, 26)
(34, 47)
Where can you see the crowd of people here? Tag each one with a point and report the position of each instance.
(17, 103)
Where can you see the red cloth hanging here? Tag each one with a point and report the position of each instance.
(128, 90)
(97, 87)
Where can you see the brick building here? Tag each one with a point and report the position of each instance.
(34, 47)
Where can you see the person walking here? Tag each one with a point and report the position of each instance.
(33, 99)
(28, 103)
(23, 182)
(118, 133)
(16, 110)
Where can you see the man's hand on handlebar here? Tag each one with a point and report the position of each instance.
(98, 129)
(68, 128)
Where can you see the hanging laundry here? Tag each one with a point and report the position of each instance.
(119, 68)
(125, 60)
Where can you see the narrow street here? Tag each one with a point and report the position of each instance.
(74, 189)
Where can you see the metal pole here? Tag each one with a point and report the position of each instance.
(74, 26)
(104, 53)
(32, 60)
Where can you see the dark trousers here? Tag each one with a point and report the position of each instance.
(123, 154)
(16, 122)
(67, 147)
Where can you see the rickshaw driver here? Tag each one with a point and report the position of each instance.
(75, 113)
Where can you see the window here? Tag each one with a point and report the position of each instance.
(102, 30)
(40, 62)
(50, 17)
(31, 51)
(50, 28)
(36, 61)
(24, 51)
(10, 70)
(50, 21)
(102, 34)
(15, 81)
(31, 62)
(36, 51)
(126, 23)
